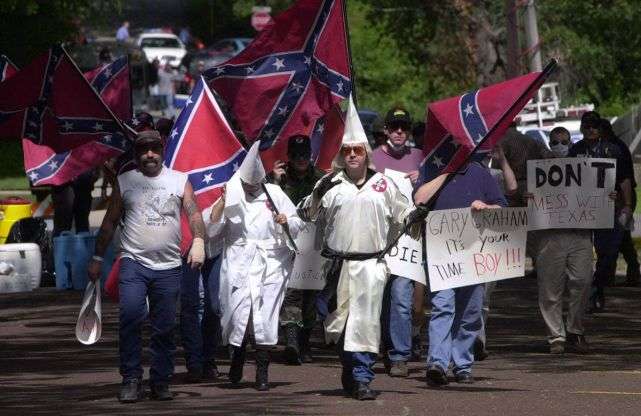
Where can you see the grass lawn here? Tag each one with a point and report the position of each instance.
(13, 183)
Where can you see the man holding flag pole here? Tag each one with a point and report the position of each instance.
(457, 129)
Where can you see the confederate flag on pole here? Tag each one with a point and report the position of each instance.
(203, 145)
(50, 103)
(289, 76)
(474, 122)
(46, 167)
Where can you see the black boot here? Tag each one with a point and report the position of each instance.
(362, 391)
(237, 363)
(305, 347)
(292, 351)
(262, 365)
(347, 380)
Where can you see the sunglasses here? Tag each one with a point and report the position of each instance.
(554, 142)
(398, 125)
(145, 147)
(358, 150)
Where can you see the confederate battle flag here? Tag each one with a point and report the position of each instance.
(474, 122)
(289, 76)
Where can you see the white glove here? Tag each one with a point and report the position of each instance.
(196, 256)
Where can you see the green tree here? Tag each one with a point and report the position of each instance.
(30, 27)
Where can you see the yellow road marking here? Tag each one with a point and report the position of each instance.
(623, 393)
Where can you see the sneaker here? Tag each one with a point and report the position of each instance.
(160, 392)
(436, 376)
(398, 369)
(362, 391)
(464, 378)
(557, 347)
(577, 343)
(131, 391)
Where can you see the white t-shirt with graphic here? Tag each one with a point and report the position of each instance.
(151, 224)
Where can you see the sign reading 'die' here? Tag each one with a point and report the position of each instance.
(466, 248)
(571, 193)
(307, 272)
(406, 259)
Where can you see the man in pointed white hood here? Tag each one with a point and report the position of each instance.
(360, 207)
(256, 264)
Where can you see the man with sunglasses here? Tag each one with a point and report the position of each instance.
(297, 178)
(147, 202)
(359, 207)
(397, 305)
(606, 241)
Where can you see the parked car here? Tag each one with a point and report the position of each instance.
(166, 47)
(208, 60)
(229, 46)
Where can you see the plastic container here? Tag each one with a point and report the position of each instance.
(26, 261)
(71, 254)
(11, 210)
(15, 283)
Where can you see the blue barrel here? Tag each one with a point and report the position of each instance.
(72, 253)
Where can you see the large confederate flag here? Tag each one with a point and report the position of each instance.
(289, 76)
(50, 103)
(456, 126)
(44, 166)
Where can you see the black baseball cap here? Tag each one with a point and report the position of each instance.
(591, 119)
(398, 116)
(299, 145)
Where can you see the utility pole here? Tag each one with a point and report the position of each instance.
(532, 37)
(513, 67)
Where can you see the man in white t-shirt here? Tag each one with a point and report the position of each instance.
(147, 202)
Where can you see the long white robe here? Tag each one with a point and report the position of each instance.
(256, 264)
(359, 221)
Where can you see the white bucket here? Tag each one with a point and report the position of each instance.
(26, 260)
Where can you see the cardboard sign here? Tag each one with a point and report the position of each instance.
(406, 259)
(308, 265)
(571, 193)
(466, 248)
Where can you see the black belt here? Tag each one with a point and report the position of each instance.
(332, 254)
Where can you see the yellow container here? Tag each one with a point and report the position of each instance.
(11, 211)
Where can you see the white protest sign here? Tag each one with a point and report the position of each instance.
(571, 193)
(308, 265)
(466, 248)
(406, 259)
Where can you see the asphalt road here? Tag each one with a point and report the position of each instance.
(45, 371)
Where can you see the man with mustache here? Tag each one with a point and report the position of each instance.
(147, 202)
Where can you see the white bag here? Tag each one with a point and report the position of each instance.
(89, 325)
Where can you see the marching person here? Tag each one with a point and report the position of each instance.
(606, 241)
(148, 201)
(563, 258)
(297, 178)
(359, 207)
(399, 292)
(456, 317)
(256, 263)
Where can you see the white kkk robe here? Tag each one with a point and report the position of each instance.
(256, 264)
(359, 221)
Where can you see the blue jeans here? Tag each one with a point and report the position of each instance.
(606, 245)
(454, 325)
(397, 318)
(360, 364)
(200, 336)
(161, 286)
